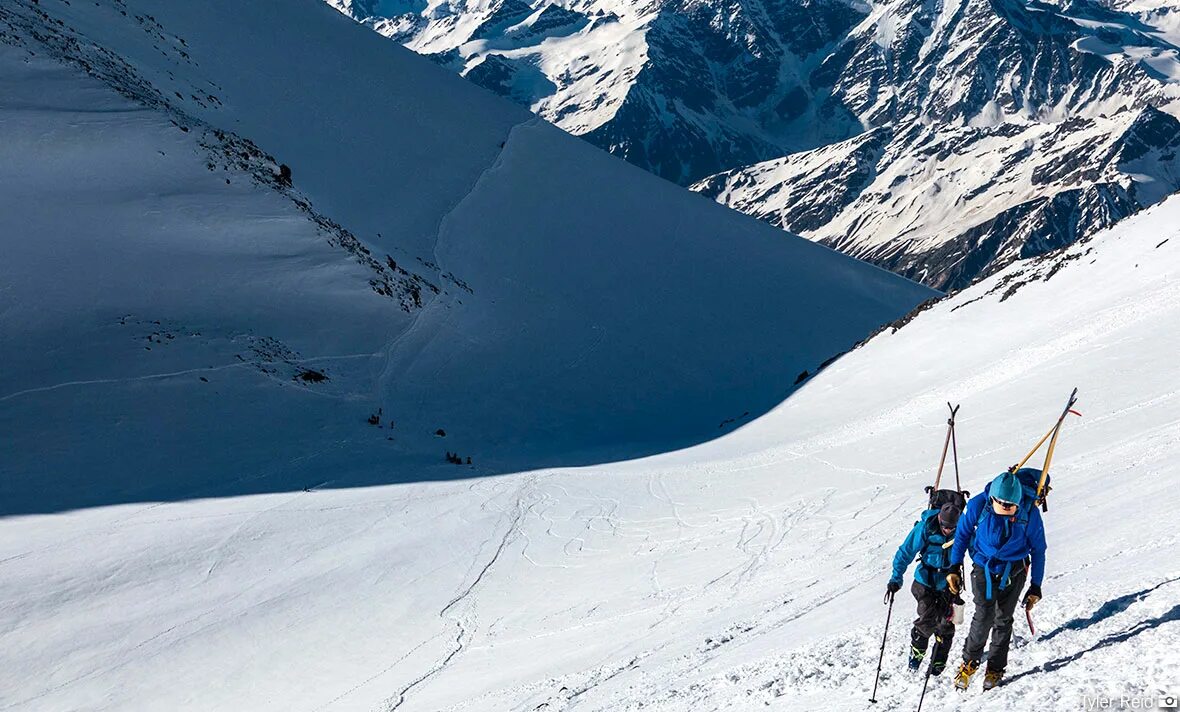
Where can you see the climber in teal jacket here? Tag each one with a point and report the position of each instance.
(927, 543)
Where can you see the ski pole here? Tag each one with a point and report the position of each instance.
(925, 684)
(881, 659)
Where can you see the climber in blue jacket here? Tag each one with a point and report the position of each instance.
(926, 542)
(1005, 535)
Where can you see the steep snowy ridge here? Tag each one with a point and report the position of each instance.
(1006, 121)
(975, 95)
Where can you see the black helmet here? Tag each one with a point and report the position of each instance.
(948, 516)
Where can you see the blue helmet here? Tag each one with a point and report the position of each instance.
(1007, 488)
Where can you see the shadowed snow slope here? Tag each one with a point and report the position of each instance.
(215, 276)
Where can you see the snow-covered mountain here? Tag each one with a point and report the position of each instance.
(224, 212)
(999, 130)
(242, 292)
(683, 88)
(946, 206)
(941, 140)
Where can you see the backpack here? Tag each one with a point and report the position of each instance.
(933, 540)
(944, 496)
(1029, 478)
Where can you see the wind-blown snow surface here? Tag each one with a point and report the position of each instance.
(733, 574)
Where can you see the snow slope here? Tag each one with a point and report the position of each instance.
(250, 543)
(512, 278)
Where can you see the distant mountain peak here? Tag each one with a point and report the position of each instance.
(897, 131)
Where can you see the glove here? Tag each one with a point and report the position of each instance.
(891, 590)
(954, 580)
(1031, 596)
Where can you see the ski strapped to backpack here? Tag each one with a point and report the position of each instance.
(1035, 488)
(957, 496)
(1041, 492)
(939, 497)
(950, 436)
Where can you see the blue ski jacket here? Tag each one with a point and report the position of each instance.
(999, 544)
(926, 539)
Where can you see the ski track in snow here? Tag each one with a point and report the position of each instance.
(128, 379)
(464, 622)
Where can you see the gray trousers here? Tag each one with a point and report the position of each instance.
(994, 616)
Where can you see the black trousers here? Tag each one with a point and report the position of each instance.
(934, 618)
(993, 616)
(934, 612)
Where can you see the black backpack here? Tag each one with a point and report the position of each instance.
(944, 496)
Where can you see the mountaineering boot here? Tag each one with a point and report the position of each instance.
(916, 658)
(992, 678)
(918, 643)
(963, 677)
